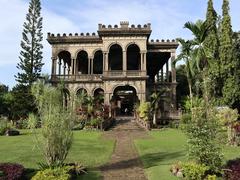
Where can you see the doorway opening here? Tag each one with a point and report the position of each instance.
(124, 100)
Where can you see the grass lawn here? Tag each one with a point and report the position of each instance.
(88, 148)
(166, 147)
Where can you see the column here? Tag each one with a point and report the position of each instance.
(144, 69)
(75, 67)
(142, 61)
(64, 69)
(59, 66)
(54, 65)
(72, 67)
(89, 65)
(124, 63)
(173, 56)
(174, 82)
(162, 75)
(105, 59)
(167, 69)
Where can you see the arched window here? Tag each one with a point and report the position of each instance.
(115, 57)
(64, 63)
(133, 57)
(82, 62)
(98, 62)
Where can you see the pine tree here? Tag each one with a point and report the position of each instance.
(228, 61)
(212, 46)
(226, 44)
(30, 64)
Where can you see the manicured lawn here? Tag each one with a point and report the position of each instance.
(88, 148)
(166, 147)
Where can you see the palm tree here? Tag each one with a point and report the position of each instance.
(199, 52)
(185, 55)
(156, 98)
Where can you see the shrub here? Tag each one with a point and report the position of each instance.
(226, 116)
(3, 126)
(58, 173)
(22, 124)
(202, 133)
(194, 171)
(144, 110)
(232, 171)
(11, 171)
(95, 122)
(56, 123)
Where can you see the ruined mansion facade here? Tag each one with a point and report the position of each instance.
(119, 62)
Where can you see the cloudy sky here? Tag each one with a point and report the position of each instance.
(69, 16)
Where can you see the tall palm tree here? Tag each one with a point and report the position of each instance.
(185, 55)
(199, 52)
(156, 98)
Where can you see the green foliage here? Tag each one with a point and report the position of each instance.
(30, 64)
(212, 47)
(202, 134)
(211, 177)
(21, 102)
(226, 116)
(55, 122)
(3, 126)
(144, 110)
(3, 105)
(194, 171)
(58, 173)
(182, 87)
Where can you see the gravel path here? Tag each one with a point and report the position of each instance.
(125, 163)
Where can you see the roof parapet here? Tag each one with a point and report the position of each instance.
(80, 35)
(124, 25)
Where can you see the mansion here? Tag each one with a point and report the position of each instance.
(119, 62)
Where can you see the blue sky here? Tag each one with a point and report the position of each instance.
(70, 16)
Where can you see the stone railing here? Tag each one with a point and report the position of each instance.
(129, 73)
(82, 77)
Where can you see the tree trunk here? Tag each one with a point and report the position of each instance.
(154, 118)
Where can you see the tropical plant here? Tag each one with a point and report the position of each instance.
(144, 110)
(199, 53)
(56, 123)
(185, 55)
(156, 98)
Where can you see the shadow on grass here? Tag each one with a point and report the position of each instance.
(149, 160)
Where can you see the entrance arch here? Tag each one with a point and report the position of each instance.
(124, 100)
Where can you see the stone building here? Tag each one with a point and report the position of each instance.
(119, 62)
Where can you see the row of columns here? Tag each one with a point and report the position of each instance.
(168, 65)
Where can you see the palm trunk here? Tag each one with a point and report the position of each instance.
(154, 118)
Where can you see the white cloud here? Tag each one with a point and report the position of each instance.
(12, 17)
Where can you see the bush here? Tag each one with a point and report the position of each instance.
(144, 110)
(22, 124)
(56, 123)
(3, 126)
(232, 171)
(58, 173)
(11, 171)
(202, 133)
(194, 171)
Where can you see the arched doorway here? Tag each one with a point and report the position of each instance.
(82, 62)
(99, 97)
(133, 57)
(115, 57)
(98, 62)
(124, 100)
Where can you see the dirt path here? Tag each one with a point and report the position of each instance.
(125, 162)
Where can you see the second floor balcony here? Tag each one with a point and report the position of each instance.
(99, 77)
